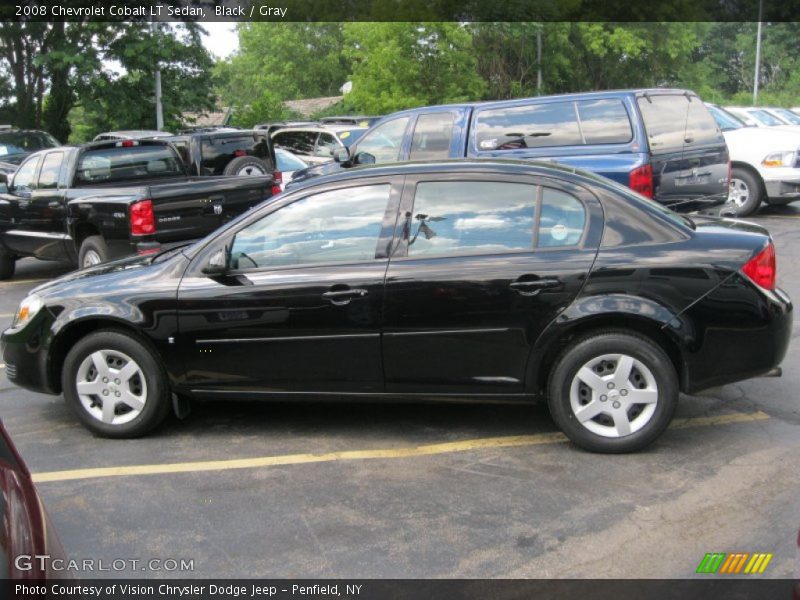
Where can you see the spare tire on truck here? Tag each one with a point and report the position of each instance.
(246, 165)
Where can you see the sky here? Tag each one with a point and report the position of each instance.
(221, 40)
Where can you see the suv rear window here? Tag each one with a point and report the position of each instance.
(217, 152)
(701, 128)
(108, 165)
(574, 123)
(665, 120)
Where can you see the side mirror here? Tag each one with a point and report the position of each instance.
(217, 264)
(342, 156)
(364, 158)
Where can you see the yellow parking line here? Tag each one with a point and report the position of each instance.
(388, 453)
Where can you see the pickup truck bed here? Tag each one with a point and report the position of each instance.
(77, 204)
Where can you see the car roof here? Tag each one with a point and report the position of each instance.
(475, 165)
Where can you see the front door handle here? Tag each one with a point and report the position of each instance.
(531, 287)
(342, 297)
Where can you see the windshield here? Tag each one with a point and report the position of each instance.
(20, 142)
(764, 118)
(725, 120)
(288, 161)
(109, 165)
(787, 115)
(351, 135)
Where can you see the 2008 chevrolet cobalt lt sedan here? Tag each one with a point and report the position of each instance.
(445, 280)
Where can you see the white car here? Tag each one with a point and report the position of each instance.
(760, 117)
(786, 116)
(765, 163)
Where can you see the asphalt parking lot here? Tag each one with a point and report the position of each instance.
(392, 491)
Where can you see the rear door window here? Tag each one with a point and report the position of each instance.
(471, 217)
(432, 135)
(664, 120)
(528, 126)
(51, 169)
(562, 220)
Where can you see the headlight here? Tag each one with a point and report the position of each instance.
(26, 311)
(779, 159)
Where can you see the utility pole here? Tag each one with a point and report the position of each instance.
(758, 53)
(159, 108)
(539, 61)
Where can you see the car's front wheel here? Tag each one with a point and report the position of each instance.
(613, 392)
(115, 385)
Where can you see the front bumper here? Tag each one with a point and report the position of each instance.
(783, 190)
(26, 354)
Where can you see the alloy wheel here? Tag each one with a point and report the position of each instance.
(739, 193)
(111, 387)
(91, 258)
(614, 395)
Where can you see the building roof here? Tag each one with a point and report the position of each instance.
(311, 106)
(221, 116)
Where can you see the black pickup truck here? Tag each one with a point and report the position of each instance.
(91, 203)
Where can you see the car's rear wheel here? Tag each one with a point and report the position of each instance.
(115, 385)
(93, 251)
(246, 166)
(8, 264)
(746, 192)
(613, 392)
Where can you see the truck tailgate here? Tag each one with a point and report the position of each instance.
(196, 206)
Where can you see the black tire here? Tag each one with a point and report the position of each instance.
(657, 367)
(92, 247)
(246, 166)
(744, 182)
(8, 264)
(155, 391)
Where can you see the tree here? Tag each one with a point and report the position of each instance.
(403, 65)
(104, 68)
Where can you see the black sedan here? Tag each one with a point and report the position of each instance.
(491, 280)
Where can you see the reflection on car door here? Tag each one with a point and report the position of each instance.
(16, 204)
(302, 309)
(481, 268)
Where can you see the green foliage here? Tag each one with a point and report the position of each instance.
(107, 69)
(403, 65)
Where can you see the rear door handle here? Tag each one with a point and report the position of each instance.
(342, 297)
(531, 287)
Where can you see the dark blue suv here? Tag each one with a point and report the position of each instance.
(662, 143)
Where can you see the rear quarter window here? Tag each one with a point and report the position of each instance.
(574, 123)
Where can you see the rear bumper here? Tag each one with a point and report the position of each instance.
(745, 333)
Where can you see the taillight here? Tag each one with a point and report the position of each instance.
(143, 219)
(239, 153)
(641, 180)
(761, 268)
(277, 180)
